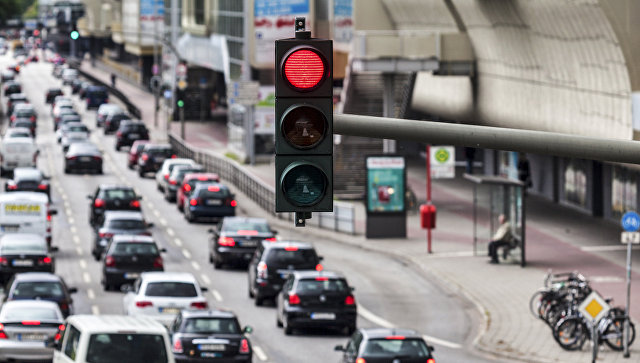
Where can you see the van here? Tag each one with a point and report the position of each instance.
(96, 95)
(17, 152)
(113, 338)
(26, 212)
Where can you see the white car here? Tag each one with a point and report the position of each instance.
(69, 75)
(17, 152)
(162, 295)
(162, 176)
(14, 132)
(72, 137)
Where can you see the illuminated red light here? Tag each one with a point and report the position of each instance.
(244, 346)
(350, 300)
(360, 360)
(395, 337)
(226, 241)
(247, 232)
(30, 322)
(199, 305)
(304, 69)
(187, 188)
(291, 248)
(193, 202)
(213, 188)
(234, 203)
(272, 239)
(294, 299)
(322, 278)
(135, 204)
(431, 360)
(46, 260)
(319, 267)
(99, 203)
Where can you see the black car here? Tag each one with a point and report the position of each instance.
(14, 99)
(41, 286)
(75, 85)
(272, 264)
(130, 131)
(210, 200)
(126, 257)
(235, 239)
(96, 95)
(118, 222)
(152, 157)
(104, 110)
(111, 197)
(112, 121)
(83, 88)
(211, 336)
(24, 252)
(26, 111)
(83, 156)
(312, 299)
(175, 179)
(52, 93)
(12, 87)
(28, 180)
(383, 345)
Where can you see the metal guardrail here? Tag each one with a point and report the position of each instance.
(342, 219)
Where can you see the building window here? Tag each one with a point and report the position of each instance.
(575, 182)
(199, 11)
(624, 191)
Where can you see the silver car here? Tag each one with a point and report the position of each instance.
(25, 328)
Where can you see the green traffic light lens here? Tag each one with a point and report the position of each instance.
(74, 35)
(180, 103)
(304, 126)
(304, 184)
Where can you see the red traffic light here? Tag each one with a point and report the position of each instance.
(305, 69)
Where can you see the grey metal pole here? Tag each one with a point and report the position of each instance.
(388, 103)
(182, 123)
(175, 24)
(527, 141)
(594, 340)
(155, 66)
(627, 331)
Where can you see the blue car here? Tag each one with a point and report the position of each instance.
(96, 95)
(210, 200)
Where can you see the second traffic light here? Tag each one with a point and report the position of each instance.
(304, 124)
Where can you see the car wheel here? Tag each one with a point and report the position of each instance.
(285, 324)
(99, 171)
(189, 217)
(251, 294)
(129, 166)
(66, 170)
(350, 329)
(217, 264)
(259, 300)
(278, 321)
(118, 147)
(141, 173)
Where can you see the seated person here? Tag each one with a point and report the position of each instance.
(501, 238)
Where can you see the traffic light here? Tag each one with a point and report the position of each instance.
(180, 103)
(74, 34)
(304, 124)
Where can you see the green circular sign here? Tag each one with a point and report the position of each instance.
(442, 155)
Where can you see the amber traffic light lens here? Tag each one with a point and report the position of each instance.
(304, 127)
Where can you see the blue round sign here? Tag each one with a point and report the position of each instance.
(631, 221)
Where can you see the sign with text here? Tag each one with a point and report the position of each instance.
(274, 19)
(443, 162)
(385, 184)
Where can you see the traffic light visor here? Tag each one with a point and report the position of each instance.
(304, 184)
(304, 126)
(305, 69)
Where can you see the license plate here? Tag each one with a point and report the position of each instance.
(210, 355)
(248, 244)
(131, 275)
(32, 337)
(85, 159)
(217, 347)
(134, 136)
(9, 229)
(214, 202)
(22, 263)
(159, 159)
(169, 310)
(323, 316)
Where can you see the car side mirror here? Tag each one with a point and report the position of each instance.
(52, 212)
(352, 288)
(150, 224)
(339, 348)
(54, 249)
(320, 258)
(139, 197)
(274, 231)
(163, 250)
(89, 197)
(210, 230)
(431, 348)
(73, 290)
(247, 329)
(204, 288)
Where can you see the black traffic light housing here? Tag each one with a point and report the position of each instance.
(304, 124)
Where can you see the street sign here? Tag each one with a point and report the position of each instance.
(630, 221)
(181, 70)
(443, 162)
(630, 237)
(167, 94)
(593, 308)
(182, 84)
(243, 92)
(154, 69)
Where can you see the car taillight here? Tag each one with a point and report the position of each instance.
(105, 235)
(361, 360)
(244, 346)
(233, 203)
(45, 260)
(272, 239)
(119, 134)
(30, 322)
(174, 156)
(193, 202)
(395, 337)
(3, 261)
(350, 300)
(157, 263)
(13, 117)
(33, 119)
(98, 203)
(186, 188)
(226, 241)
(48, 217)
(199, 304)
(42, 187)
(173, 182)
(135, 203)
(294, 299)
(291, 248)
(322, 278)
(213, 188)
(166, 177)
(262, 270)
(143, 304)
(97, 158)
(319, 267)
(177, 345)
(64, 306)
(431, 360)
(109, 261)
(12, 187)
(58, 336)
(145, 157)
(3, 335)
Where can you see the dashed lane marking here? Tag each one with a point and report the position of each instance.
(186, 253)
(83, 264)
(205, 279)
(260, 353)
(163, 221)
(170, 232)
(157, 214)
(71, 220)
(76, 240)
(150, 205)
(178, 242)
(73, 229)
(195, 265)
(216, 295)
(79, 251)
(95, 310)
(91, 294)
(86, 277)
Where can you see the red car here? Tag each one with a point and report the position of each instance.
(134, 152)
(189, 184)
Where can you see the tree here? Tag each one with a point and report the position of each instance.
(30, 12)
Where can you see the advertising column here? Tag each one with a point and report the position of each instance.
(386, 185)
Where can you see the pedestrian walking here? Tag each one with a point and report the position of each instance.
(113, 80)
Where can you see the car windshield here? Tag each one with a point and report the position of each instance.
(234, 226)
(160, 151)
(390, 348)
(80, 128)
(126, 224)
(281, 257)
(211, 326)
(38, 289)
(18, 313)
(126, 348)
(136, 128)
(19, 134)
(120, 194)
(172, 289)
(22, 246)
(134, 248)
(322, 285)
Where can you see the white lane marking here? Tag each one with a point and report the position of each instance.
(259, 353)
(91, 294)
(67, 205)
(64, 196)
(178, 242)
(157, 214)
(452, 254)
(79, 250)
(186, 253)
(163, 221)
(76, 240)
(68, 211)
(606, 248)
(216, 295)
(73, 230)
(170, 232)
(196, 265)
(604, 279)
(366, 314)
(95, 310)
(71, 220)
(86, 277)
(83, 264)
(150, 205)
(205, 278)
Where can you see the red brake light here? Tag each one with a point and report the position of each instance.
(395, 337)
(48, 217)
(350, 300)
(157, 263)
(33, 118)
(177, 345)
(319, 267)
(233, 203)
(3, 335)
(244, 346)
(61, 328)
(174, 156)
(246, 232)
(199, 304)
(226, 241)
(135, 203)
(109, 261)
(262, 270)
(431, 360)
(193, 202)
(143, 304)
(272, 239)
(166, 177)
(98, 203)
(119, 134)
(145, 157)
(3, 261)
(173, 182)
(30, 322)
(203, 178)
(291, 248)
(13, 117)
(105, 235)
(213, 188)
(360, 360)
(322, 278)
(42, 187)
(45, 260)
(294, 299)
(12, 187)
(304, 69)
(186, 188)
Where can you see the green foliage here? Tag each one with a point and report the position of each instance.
(31, 12)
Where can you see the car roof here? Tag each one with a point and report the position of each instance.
(20, 140)
(373, 333)
(157, 276)
(121, 214)
(179, 161)
(116, 324)
(114, 186)
(21, 237)
(283, 244)
(24, 196)
(124, 238)
(54, 89)
(27, 304)
(309, 274)
(244, 219)
(29, 173)
(36, 276)
(211, 313)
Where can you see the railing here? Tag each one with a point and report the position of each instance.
(342, 219)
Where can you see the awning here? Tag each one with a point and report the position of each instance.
(211, 52)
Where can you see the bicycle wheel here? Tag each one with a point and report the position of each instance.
(613, 333)
(535, 304)
(571, 333)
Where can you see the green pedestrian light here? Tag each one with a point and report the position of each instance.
(180, 103)
(75, 35)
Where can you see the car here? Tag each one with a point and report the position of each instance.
(24, 110)
(130, 131)
(134, 152)
(314, 299)
(58, 69)
(73, 137)
(83, 89)
(83, 156)
(66, 115)
(235, 239)
(118, 222)
(189, 182)
(96, 95)
(161, 296)
(24, 252)
(211, 335)
(60, 99)
(53, 93)
(11, 87)
(70, 123)
(25, 329)
(113, 338)
(7, 75)
(14, 132)
(386, 345)
(162, 176)
(153, 156)
(75, 86)
(109, 197)
(14, 99)
(112, 121)
(175, 179)
(17, 152)
(126, 257)
(69, 75)
(210, 200)
(272, 263)
(24, 123)
(104, 110)
(28, 180)
(41, 286)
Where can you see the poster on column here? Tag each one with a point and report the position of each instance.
(274, 19)
(151, 20)
(385, 184)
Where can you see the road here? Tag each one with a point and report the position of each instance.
(388, 292)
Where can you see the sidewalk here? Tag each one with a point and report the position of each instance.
(558, 238)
